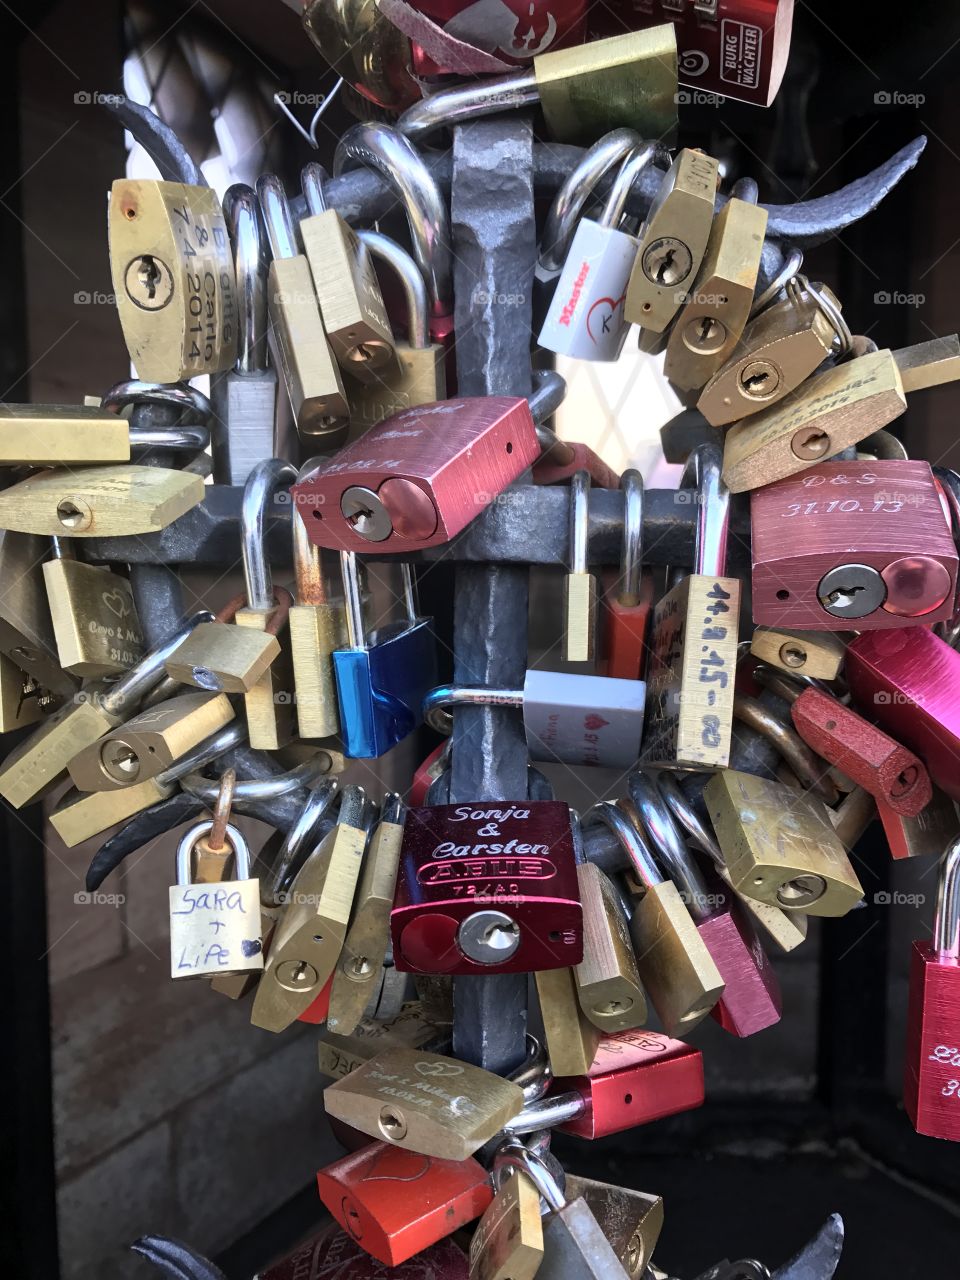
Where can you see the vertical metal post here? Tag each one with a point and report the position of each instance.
(494, 249)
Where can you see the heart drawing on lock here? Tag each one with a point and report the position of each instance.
(116, 602)
(594, 722)
(406, 1167)
(438, 1069)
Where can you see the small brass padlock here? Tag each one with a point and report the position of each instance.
(215, 928)
(94, 615)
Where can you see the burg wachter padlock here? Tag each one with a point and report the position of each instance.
(419, 477)
(487, 888)
(586, 319)
(214, 928)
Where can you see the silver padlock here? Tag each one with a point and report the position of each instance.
(214, 928)
(567, 718)
(585, 318)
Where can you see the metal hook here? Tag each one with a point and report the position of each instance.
(309, 135)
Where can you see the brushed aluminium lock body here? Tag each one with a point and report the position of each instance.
(505, 872)
(420, 476)
(878, 529)
(173, 278)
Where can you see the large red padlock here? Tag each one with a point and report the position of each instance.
(516, 31)
(931, 1073)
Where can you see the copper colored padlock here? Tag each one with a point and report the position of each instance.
(564, 458)
(395, 1203)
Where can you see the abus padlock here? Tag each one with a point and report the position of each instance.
(568, 718)
(214, 928)
(931, 1072)
(383, 677)
(585, 318)
(418, 478)
(487, 888)
(173, 278)
(859, 545)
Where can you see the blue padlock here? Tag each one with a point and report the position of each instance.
(382, 678)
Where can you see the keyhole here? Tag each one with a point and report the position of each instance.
(755, 381)
(149, 282)
(705, 335)
(392, 1124)
(149, 276)
(844, 596)
(664, 269)
(810, 442)
(357, 967)
(74, 514)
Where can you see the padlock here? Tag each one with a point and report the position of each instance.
(681, 978)
(693, 649)
(906, 681)
(751, 999)
(99, 502)
(48, 435)
(339, 1054)
(627, 81)
(427, 772)
(382, 679)
(93, 613)
(608, 982)
(571, 1037)
(779, 845)
(150, 742)
(368, 937)
(628, 596)
(310, 373)
(317, 628)
(36, 765)
(931, 1073)
(424, 1102)
(829, 412)
(786, 929)
(655, 1077)
(363, 46)
(726, 48)
(578, 639)
(244, 425)
(569, 718)
(709, 325)
(811, 653)
(335, 1253)
(507, 1243)
(26, 629)
(351, 304)
(585, 318)
(22, 700)
(419, 477)
(269, 703)
(394, 1203)
(173, 278)
(673, 241)
(574, 1247)
(927, 833)
(779, 349)
(864, 753)
(902, 570)
(224, 658)
(630, 1220)
(214, 929)
(515, 33)
(487, 888)
(419, 374)
(307, 941)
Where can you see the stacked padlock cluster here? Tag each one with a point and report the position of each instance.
(760, 718)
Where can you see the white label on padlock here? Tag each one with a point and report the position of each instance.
(215, 928)
(586, 319)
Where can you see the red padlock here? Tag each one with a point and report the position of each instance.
(515, 31)
(317, 1013)
(395, 1202)
(333, 1255)
(487, 888)
(566, 457)
(931, 1076)
(628, 597)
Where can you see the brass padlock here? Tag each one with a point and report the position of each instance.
(811, 653)
(225, 658)
(571, 1037)
(339, 1054)
(31, 769)
(507, 1243)
(99, 502)
(150, 742)
(22, 700)
(424, 1102)
(368, 938)
(48, 435)
(673, 241)
(214, 929)
(780, 846)
(26, 629)
(709, 327)
(94, 615)
(310, 373)
(318, 627)
(173, 278)
(351, 304)
(630, 1220)
(579, 637)
(419, 376)
(608, 982)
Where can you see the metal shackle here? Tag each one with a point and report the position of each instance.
(579, 520)
(353, 807)
(294, 850)
(647, 806)
(534, 1075)
(514, 1155)
(256, 790)
(263, 483)
(411, 281)
(487, 97)
(353, 600)
(396, 159)
(312, 178)
(809, 769)
(241, 212)
(547, 1113)
(178, 395)
(232, 835)
(685, 814)
(225, 739)
(437, 701)
(631, 838)
(946, 915)
(569, 202)
(631, 550)
(278, 221)
(630, 169)
(125, 692)
(792, 263)
(703, 472)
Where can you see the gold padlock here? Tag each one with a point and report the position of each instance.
(608, 981)
(94, 615)
(507, 1243)
(579, 635)
(48, 435)
(99, 502)
(26, 629)
(571, 1037)
(318, 627)
(214, 929)
(780, 846)
(22, 700)
(225, 658)
(150, 742)
(812, 653)
(173, 278)
(630, 1220)
(338, 1054)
